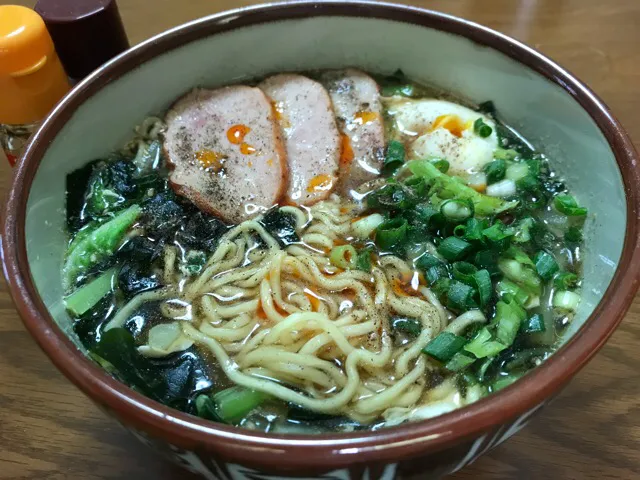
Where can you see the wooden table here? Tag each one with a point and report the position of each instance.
(49, 430)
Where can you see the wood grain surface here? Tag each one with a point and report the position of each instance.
(49, 430)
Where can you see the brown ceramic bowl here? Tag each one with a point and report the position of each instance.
(532, 93)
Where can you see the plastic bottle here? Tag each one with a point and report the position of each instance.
(32, 79)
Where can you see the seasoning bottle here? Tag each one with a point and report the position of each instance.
(86, 33)
(32, 79)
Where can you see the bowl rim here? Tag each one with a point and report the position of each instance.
(329, 451)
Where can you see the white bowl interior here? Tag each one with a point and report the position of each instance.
(538, 108)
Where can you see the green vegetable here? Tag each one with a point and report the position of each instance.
(446, 187)
(456, 210)
(505, 287)
(233, 404)
(566, 300)
(464, 272)
(509, 316)
(523, 230)
(454, 248)
(441, 164)
(519, 273)
(502, 154)
(473, 229)
(344, 256)
(495, 171)
(483, 345)
(444, 346)
(565, 280)
(417, 185)
(394, 157)
(426, 261)
(487, 260)
(392, 234)
(87, 296)
(195, 262)
(528, 183)
(482, 129)
(573, 235)
(534, 324)
(363, 260)
(409, 326)
(459, 362)
(482, 280)
(206, 408)
(498, 234)
(435, 273)
(97, 245)
(567, 205)
(460, 296)
(504, 382)
(546, 265)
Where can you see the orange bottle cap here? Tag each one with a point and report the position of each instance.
(32, 79)
(24, 40)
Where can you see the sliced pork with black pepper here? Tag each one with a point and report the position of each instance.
(226, 151)
(310, 134)
(356, 103)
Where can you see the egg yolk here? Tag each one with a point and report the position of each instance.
(319, 183)
(453, 123)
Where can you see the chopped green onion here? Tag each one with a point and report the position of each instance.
(483, 345)
(509, 316)
(234, 403)
(482, 129)
(441, 164)
(441, 287)
(394, 157)
(409, 326)
(460, 296)
(364, 227)
(503, 154)
(519, 255)
(523, 230)
(343, 256)
(534, 324)
(565, 280)
(566, 300)
(435, 273)
(426, 261)
(454, 248)
(445, 186)
(417, 184)
(83, 299)
(444, 346)
(573, 235)
(518, 273)
(495, 171)
(516, 171)
(463, 272)
(503, 189)
(473, 229)
(487, 260)
(528, 183)
(567, 205)
(459, 362)
(363, 260)
(504, 382)
(391, 234)
(505, 287)
(482, 280)
(456, 210)
(546, 265)
(498, 232)
(206, 408)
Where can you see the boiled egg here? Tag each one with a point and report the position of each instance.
(439, 128)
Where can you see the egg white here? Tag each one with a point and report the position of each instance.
(466, 154)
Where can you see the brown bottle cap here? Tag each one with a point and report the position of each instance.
(86, 33)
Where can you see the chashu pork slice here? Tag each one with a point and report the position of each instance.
(226, 151)
(310, 134)
(358, 110)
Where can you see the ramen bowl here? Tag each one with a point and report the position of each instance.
(537, 97)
